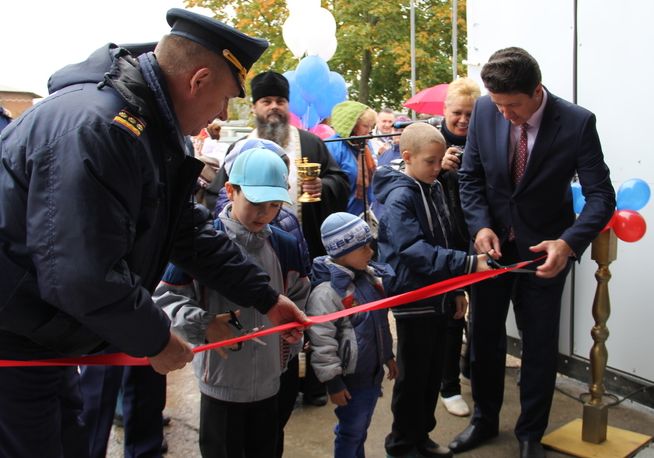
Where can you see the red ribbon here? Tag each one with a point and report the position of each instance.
(122, 359)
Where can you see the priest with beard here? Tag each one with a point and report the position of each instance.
(270, 95)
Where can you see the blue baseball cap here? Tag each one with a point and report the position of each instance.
(262, 176)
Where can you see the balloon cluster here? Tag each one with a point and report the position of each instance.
(626, 222)
(314, 89)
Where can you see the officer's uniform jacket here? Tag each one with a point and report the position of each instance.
(95, 184)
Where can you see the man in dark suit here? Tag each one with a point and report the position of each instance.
(524, 147)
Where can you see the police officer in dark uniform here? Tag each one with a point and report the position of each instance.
(96, 184)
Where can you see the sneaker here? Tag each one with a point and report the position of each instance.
(432, 449)
(456, 405)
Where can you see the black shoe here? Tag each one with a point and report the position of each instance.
(471, 437)
(432, 449)
(531, 449)
(317, 401)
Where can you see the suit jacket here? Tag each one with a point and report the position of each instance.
(540, 207)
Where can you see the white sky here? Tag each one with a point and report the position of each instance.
(39, 37)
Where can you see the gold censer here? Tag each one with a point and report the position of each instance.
(307, 171)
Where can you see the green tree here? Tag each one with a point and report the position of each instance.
(373, 52)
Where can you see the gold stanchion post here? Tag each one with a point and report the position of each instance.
(598, 440)
(595, 418)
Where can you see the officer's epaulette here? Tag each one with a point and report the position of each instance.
(128, 121)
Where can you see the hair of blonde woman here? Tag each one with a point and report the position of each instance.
(177, 55)
(369, 116)
(419, 134)
(462, 88)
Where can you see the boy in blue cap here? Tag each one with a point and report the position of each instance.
(238, 409)
(349, 354)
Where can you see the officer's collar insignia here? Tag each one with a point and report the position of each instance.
(130, 122)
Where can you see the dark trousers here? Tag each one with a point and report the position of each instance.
(420, 355)
(289, 386)
(353, 422)
(238, 429)
(451, 385)
(144, 398)
(537, 306)
(39, 409)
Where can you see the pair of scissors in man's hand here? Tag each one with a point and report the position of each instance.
(234, 321)
(494, 264)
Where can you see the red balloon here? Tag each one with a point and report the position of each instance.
(609, 225)
(629, 225)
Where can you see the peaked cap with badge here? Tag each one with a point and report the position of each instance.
(239, 50)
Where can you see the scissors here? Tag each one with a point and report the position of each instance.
(493, 264)
(234, 321)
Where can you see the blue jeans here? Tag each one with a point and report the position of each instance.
(353, 421)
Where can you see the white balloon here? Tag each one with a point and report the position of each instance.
(323, 22)
(293, 32)
(324, 46)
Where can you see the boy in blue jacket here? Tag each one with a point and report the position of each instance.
(239, 406)
(415, 236)
(349, 353)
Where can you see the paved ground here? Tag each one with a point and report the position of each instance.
(309, 432)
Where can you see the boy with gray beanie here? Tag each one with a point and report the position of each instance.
(349, 353)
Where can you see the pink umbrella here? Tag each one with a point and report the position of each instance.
(429, 101)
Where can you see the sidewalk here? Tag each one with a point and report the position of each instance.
(309, 432)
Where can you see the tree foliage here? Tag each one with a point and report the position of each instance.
(373, 52)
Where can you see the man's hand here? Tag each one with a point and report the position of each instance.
(486, 241)
(461, 303)
(285, 311)
(174, 356)
(313, 187)
(340, 398)
(220, 329)
(558, 254)
(451, 161)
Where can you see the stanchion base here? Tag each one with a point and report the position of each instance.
(619, 443)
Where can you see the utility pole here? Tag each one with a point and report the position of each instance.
(412, 16)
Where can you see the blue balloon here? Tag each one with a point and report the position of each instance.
(336, 92)
(312, 77)
(296, 103)
(633, 195)
(578, 199)
(310, 118)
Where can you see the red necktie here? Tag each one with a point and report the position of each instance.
(520, 157)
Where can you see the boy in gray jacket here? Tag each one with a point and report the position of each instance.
(238, 409)
(349, 353)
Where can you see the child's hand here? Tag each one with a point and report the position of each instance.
(482, 265)
(392, 369)
(461, 303)
(220, 329)
(340, 398)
